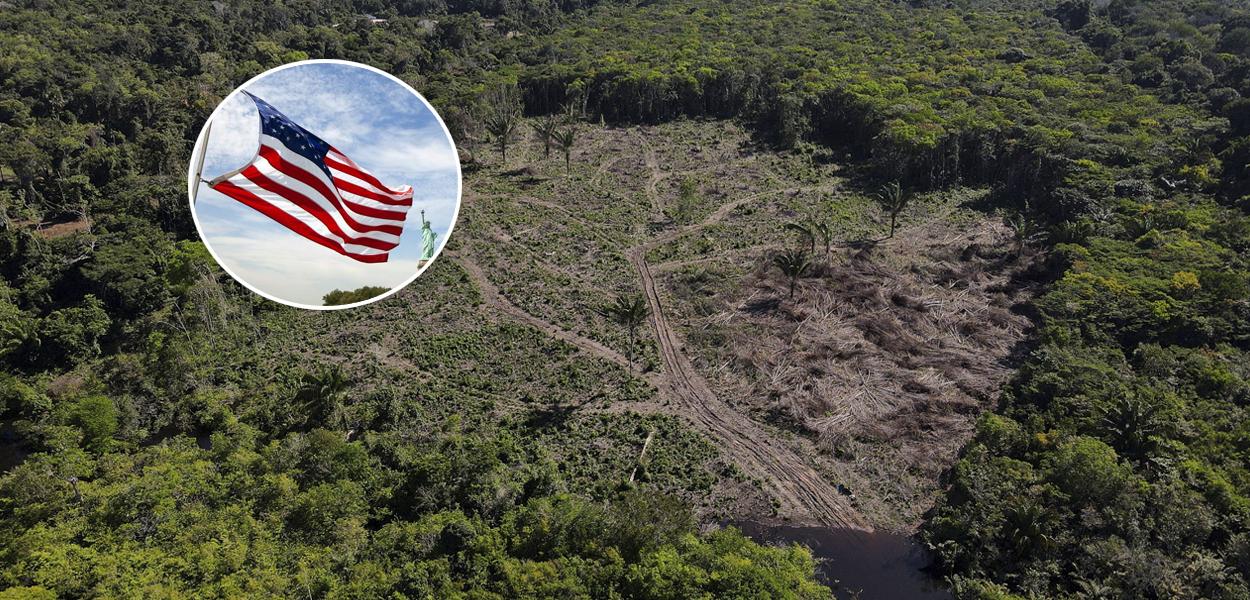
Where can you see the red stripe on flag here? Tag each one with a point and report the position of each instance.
(292, 223)
(255, 176)
(360, 174)
(299, 174)
(372, 211)
(348, 186)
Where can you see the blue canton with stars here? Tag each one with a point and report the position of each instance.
(299, 140)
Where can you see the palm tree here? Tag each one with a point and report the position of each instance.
(825, 232)
(546, 128)
(793, 264)
(1074, 232)
(893, 199)
(1095, 590)
(630, 312)
(503, 118)
(565, 138)
(1024, 229)
(322, 394)
(805, 234)
(18, 331)
(1026, 527)
(503, 125)
(1133, 422)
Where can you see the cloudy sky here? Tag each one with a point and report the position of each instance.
(367, 116)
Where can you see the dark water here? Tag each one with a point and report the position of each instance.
(877, 565)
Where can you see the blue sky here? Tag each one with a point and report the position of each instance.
(367, 116)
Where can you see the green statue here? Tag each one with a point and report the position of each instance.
(427, 239)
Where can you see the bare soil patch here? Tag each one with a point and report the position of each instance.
(884, 357)
(49, 230)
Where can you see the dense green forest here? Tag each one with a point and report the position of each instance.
(1116, 134)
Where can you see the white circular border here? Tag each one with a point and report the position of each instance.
(455, 216)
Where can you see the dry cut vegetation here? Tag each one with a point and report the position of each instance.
(884, 356)
(870, 376)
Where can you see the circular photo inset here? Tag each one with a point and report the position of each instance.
(324, 184)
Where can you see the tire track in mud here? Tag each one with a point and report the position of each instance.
(800, 489)
(653, 182)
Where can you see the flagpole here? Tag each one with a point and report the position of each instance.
(202, 147)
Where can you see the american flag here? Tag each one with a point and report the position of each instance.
(304, 183)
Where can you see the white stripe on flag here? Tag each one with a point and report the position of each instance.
(293, 187)
(295, 211)
(307, 166)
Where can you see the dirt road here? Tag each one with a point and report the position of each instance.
(800, 489)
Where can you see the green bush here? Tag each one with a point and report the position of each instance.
(71, 335)
(96, 417)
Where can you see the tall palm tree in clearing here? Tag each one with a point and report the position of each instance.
(1024, 229)
(630, 312)
(809, 232)
(503, 117)
(546, 129)
(565, 139)
(825, 232)
(893, 199)
(503, 126)
(793, 264)
(806, 236)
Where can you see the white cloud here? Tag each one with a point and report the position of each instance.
(270, 264)
(409, 152)
(233, 139)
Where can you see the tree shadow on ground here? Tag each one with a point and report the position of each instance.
(551, 416)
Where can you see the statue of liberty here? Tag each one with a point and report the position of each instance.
(427, 240)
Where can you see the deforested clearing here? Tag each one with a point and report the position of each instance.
(885, 355)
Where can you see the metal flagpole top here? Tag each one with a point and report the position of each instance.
(201, 148)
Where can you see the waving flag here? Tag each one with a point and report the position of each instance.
(304, 183)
